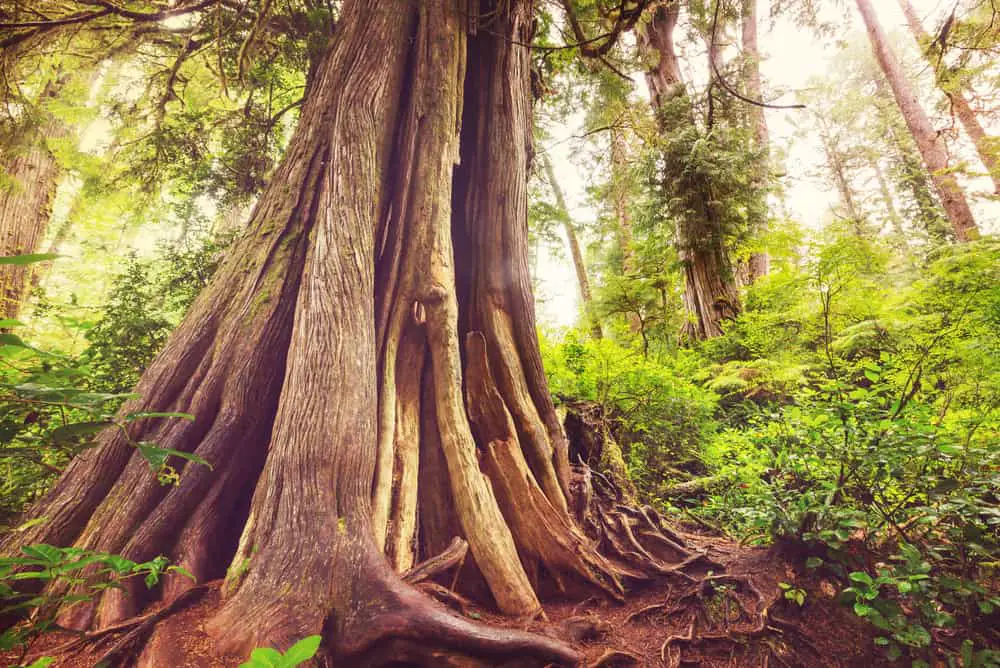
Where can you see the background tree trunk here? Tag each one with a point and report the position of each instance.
(710, 293)
(759, 262)
(582, 280)
(620, 194)
(931, 150)
(26, 196)
(956, 95)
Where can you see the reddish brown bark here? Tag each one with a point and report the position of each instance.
(327, 352)
(759, 262)
(710, 293)
(931, 149)
(985, 145)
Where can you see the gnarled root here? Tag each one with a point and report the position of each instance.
(725, 623)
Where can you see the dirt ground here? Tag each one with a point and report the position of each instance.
(736, 617)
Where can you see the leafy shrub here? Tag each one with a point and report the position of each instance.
(660, 417)
(45, 565)
(147, 300)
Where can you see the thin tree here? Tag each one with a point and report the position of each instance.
(759, 263)
(579, 265)
(929, 144)
(956, 93)
(364, 362)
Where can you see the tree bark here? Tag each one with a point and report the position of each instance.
(363, 368)
(710, 293)
(985, 145)
(759, 262)
(931, 150)
(582, 280)
(26, 197)
(909, 171)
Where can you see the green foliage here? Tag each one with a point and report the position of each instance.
(38, 566)
(885, 446)
(297, 654)
(659, 414)
(145, 303)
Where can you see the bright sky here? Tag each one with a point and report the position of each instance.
(791, 56)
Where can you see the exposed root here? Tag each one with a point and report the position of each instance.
(447, 596)
(410, 627)
(643, 612)
(612, 658)
(721, 630)
(453, 556)
(132, 632)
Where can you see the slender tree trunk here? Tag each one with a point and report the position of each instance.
(759, 262)
(582, 280)
(363, 364)
(931, 150)
(838, 168)
(26, 195)
(620, 195)
(887, 198)
(986, 146)
(710, 292)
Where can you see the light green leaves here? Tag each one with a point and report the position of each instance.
(30, 258)
(297, 654)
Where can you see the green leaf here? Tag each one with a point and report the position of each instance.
(42, 662)
(10, 322)
(145, 415)
(30, 258)
(302, 651)
(8, 339)
(814, 562)
(263, 657)
(47, 553)
(70, 431)
(862, 577)
(157, 456)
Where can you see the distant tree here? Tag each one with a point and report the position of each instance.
(931, 149)
(933, 49)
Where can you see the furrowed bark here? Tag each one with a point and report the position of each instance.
(346, 277)
(491, 237)
(931, 150)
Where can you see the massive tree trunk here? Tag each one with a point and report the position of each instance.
(986, 146)
(710, 293)
(27, 191)
(931, 149)
(760, 262)
(582, 279)
(364, 372)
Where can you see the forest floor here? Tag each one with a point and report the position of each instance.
(734, 616)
